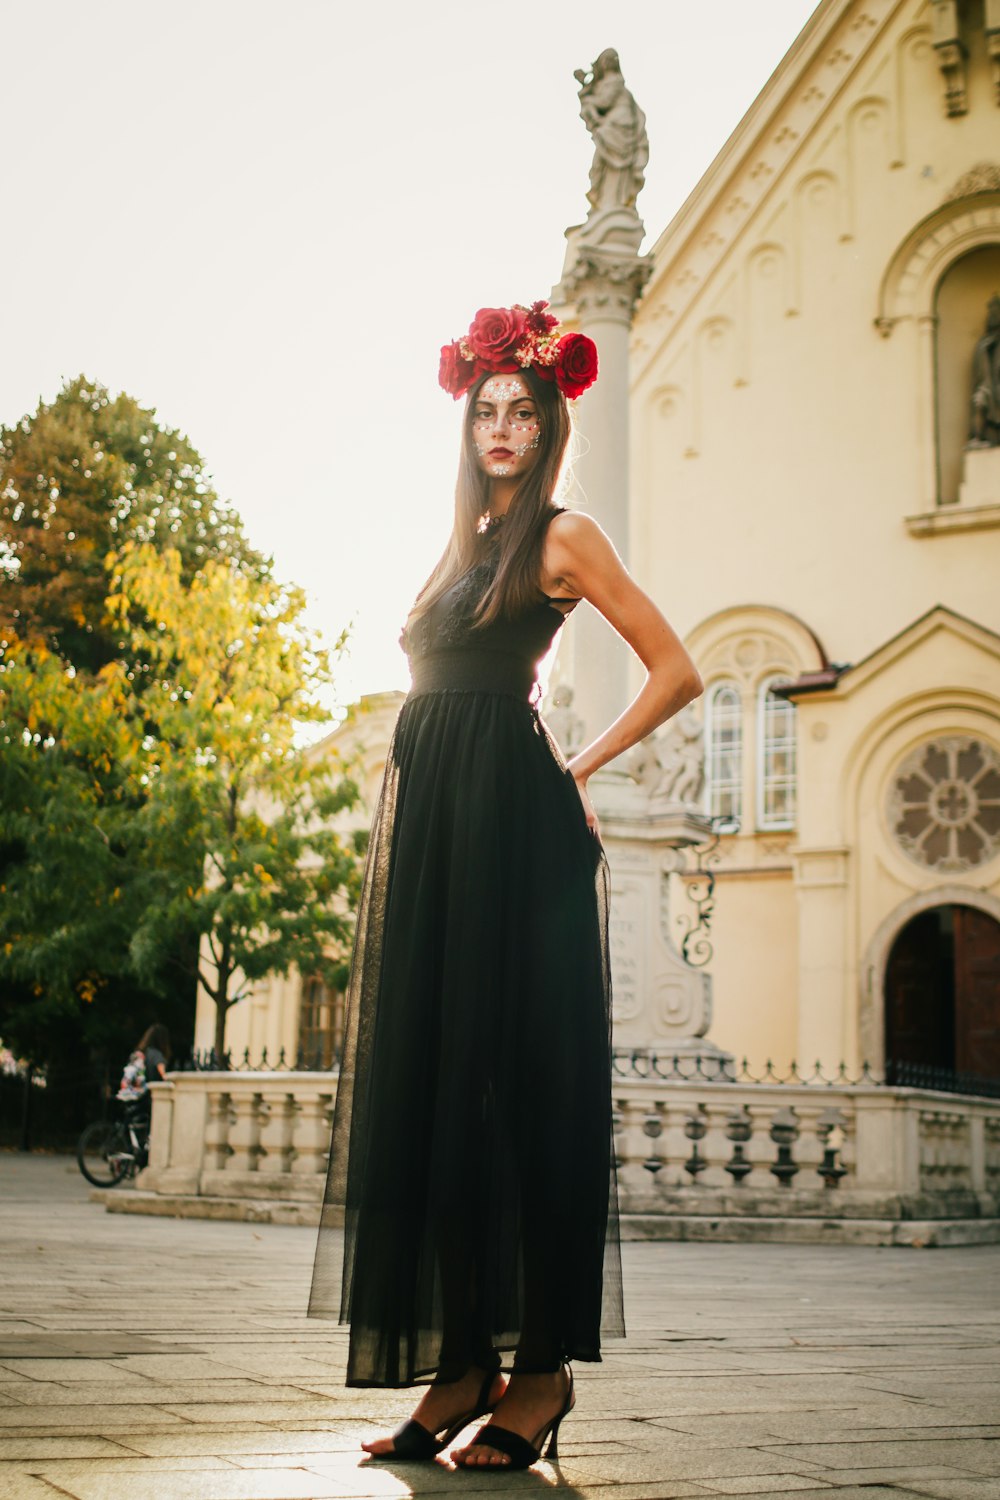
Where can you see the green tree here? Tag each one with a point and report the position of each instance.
(83, 474)
(237, 826)
(70, 767)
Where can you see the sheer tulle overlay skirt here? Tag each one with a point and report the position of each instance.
(472, 1165)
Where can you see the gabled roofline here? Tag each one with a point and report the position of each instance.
(843, 679)
(824, 19)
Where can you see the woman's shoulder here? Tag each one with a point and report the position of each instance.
(574, 528)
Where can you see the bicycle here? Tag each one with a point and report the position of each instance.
(109, 1151)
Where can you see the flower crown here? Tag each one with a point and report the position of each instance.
(504, 340)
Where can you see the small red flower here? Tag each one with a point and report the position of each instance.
(576, 368)
(540, 321)
(455, 373)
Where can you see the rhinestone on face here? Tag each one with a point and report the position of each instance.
(497, 389)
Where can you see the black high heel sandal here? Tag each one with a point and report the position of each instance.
(413, 1440)
(521, 1453)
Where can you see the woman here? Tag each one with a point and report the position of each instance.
(472, 1153)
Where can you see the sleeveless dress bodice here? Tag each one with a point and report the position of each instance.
(445, 648)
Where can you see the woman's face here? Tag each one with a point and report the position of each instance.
(506, 428)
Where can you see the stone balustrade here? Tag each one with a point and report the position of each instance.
(803, 1151)
(849, 1161)
(252, 1135)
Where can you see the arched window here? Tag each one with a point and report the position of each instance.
(775, 757)
(724, 752)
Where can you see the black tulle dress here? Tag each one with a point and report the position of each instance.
(472, 1163)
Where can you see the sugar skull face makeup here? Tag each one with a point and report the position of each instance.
(505, 427)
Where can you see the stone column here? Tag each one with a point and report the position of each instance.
(602, 278)
(648, 800)
(603, 275)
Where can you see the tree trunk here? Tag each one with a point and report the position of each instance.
(220, 1030)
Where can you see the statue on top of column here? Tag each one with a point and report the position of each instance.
(618, 128)
(985, 426)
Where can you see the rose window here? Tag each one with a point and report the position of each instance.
(944, 803)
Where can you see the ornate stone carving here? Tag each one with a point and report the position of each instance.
(984, 177)
(992, 18)
(984, 425)
(618, 128)
(564, 722)
(671, 765)
(594, 277)
(951, 55)
(944, 804)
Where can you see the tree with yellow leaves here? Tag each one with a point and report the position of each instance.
(184, 821)
(234, 675)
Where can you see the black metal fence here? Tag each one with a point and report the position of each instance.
(301, 1060)
(912, 1075)
(50, 1109)
(674, 1067)
(648, 1063)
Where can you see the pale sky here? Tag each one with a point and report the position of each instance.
(265, 220)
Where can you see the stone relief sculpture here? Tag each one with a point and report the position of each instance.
(618, 128)
(565, 723)
(672, 765)
(984, 430)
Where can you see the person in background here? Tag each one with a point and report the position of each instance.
(154, 1044)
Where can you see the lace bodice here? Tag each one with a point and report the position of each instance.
(447, 625)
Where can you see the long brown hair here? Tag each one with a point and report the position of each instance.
(157, 1036)
(515, 586)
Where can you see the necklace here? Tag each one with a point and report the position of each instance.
(488, 523)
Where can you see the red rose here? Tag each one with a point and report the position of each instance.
(455, 373)
(576, 367)
(495, 333)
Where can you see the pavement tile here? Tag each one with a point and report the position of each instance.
(72, 1417)
(275, 1484)
(66, 1370)
(26, 1487)
(888, 1474)
(171, 1367)
(762, 1484)
(955, 1489)
(223, 1412)
(60, 1471)
(39, 1448)
(251, 1442)
(848, 1492)
(680, 1490)
(152, 1393)
(975, 1454)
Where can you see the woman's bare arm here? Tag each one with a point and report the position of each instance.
(582, 557)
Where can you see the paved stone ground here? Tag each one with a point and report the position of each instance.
(172, 1360)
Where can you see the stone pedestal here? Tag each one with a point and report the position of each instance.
(980, 477)
(661, 1004)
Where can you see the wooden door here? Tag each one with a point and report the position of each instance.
(977, 993)
(919, 992)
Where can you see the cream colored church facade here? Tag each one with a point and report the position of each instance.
(801, 378)
(802, 505)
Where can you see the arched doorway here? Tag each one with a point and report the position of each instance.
(942, 998)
